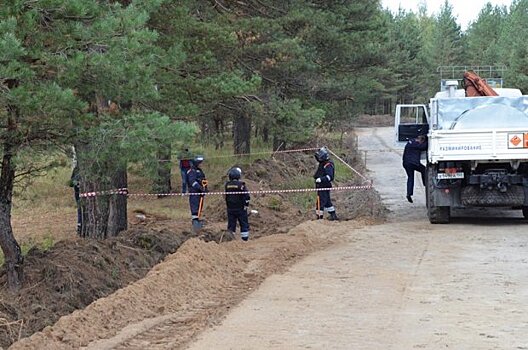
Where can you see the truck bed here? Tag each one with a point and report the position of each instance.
(478, 144)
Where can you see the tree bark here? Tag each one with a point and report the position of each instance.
(242, 134)
(104, 215)
(219, 133)
(10, 247)
(162, 183)
(265, 134)
(117, 214)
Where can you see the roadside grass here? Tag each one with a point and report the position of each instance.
(215, 166)
(303, 200)
(307, 200)
(49, 190)
(44, 244)
(44, 210)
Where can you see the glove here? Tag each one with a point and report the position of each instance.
(318, 180)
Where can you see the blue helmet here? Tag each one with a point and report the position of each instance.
(322, 154)
(197, 160)
(234, 173)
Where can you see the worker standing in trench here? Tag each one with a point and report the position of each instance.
(323, 179)
(197, 184)
(237, 204)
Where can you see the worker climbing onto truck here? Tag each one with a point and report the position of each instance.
(323, 179)
(197, 184)
(411, 162)
(237, 203)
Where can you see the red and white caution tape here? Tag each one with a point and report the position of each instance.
(295, 190)
(124, 191)
(349, 166)
(266, 152)
(107, 192)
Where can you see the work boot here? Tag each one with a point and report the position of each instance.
(333, 216)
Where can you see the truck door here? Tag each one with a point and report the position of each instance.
(410, 121)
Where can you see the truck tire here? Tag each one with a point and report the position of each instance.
(436, 214)
(525, 212)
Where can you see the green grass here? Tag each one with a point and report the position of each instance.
(218, 162)
(45, 244)
(342, 172)
(302, 200)
(49, 189)
(216, 165)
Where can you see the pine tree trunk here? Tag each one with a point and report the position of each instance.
(265, 134)
(163, 180)
(117, 215)
(242, 134)
(103, 215)
(219, 133)
(10, 247)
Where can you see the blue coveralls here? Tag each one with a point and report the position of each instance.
(196, 183)
(411, 162)
(236, 207)
(325, 172)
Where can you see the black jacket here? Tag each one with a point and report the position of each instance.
(413, 151)
(196, 180)
(236, 201)
(326, 173)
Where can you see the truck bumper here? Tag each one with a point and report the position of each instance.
(473, 196)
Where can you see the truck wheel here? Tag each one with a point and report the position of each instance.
(436, 214)
(525, 212)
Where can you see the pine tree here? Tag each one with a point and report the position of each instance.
(35, 112)
(483, 37)
(514, 48)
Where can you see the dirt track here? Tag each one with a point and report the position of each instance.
(401, 285)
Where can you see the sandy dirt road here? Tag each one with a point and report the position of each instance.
(401, 285)
(405, 284)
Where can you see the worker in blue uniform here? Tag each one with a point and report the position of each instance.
(197, 185)
(411, 162)
(323, 179)
(237, 203)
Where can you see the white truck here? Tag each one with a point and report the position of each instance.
(478, 149)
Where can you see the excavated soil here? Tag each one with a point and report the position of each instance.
(193, 287)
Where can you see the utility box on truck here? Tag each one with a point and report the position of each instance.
(478, 151)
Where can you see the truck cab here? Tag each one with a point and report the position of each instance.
(410, 120)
